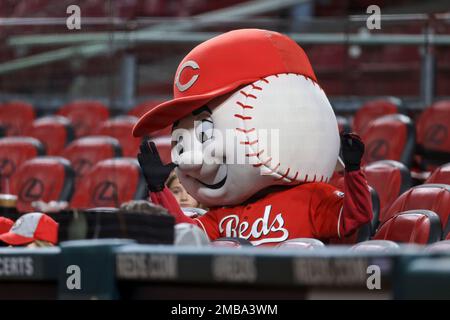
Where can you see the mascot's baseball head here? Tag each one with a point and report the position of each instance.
(247, 114)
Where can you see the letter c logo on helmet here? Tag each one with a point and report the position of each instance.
(183, 87)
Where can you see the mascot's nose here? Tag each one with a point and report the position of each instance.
(190, 161)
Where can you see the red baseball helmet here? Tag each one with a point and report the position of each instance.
(222, 64)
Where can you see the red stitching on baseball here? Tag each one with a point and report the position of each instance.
(306, 178)
(248, 95)
(314, 180)
(274, 169)
(256, 154)
(244, 106)
(265, 80)
(263, 163)
(256, 87)
(250, 143)
(284, 175)
(240, 116)
(246, 130)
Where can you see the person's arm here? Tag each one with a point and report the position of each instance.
(340, 214)
(357, 209)
(165, 199)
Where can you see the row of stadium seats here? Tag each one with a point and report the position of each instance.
(109, 183)
(387, 132)
(18, 118)
(390, 179)
(391, 135)
(393, 195)
(83, 153)
(113, 181)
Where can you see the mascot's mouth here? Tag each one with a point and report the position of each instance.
(217, 185)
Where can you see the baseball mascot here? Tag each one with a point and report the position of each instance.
(255, 139)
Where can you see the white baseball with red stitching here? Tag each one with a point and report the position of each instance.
(307, 146)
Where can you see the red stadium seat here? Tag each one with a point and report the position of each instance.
(375, 245)
(13, 152)
(440, 175)
(433, 138)
(43, 178)
(301, 244)
(15, 117)
(85, 152)
(121, 129)
(413, 226)
(389, 138)
(85, 116)
(434, 197)
(390, 179)
(372, 110)
(55, 132)
(230, 242)
(110, 183)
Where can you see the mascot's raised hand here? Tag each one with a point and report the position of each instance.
(352, 151)
(155, 172)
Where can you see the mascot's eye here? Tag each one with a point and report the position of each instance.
(204, 130)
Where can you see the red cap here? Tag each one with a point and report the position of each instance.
(5, 224)
(222, 64)
(30, 227)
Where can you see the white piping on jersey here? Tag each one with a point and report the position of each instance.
(339, 222)
(203, 227)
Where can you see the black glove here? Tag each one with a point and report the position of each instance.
(352, 151)
(155, 172)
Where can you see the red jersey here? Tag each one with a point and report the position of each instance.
(310, 210)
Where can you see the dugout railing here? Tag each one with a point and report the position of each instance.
(122, 269)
